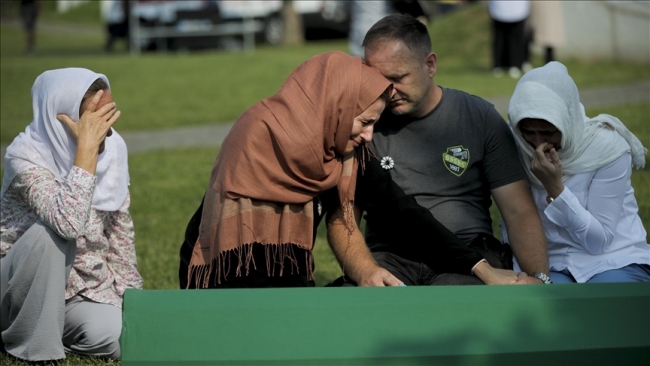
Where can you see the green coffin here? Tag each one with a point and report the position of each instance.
(585, 324)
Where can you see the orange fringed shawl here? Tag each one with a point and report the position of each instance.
(279, 155)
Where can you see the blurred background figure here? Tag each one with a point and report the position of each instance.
(363, 14)
(293, 33)
(416, 8)
(28, 15)
(509, 41)
(547, 23)
(447, 6)
(116, 16)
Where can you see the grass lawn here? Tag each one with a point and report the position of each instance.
(153, 91)
(170, 90)
(164, 91)
(167, 187)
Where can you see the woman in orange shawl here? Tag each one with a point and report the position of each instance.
(257, 219)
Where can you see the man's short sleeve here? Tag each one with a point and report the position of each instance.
(501, 163)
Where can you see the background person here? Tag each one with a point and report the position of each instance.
(451, 151)
(509, 43)
(117, 22)
(67, 241)
(257, 222)
(547, 22)
(29, 10)
(579, 169)
(363, 14)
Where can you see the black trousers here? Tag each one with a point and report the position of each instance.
(294, 272)
(419, 274)
(29, 14)
(508, 44)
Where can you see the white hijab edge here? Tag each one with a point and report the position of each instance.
(48, 144)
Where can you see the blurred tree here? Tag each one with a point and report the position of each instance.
(294, 34)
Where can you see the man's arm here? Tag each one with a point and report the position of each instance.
(524, 226)
(357, 261)
(352, 253)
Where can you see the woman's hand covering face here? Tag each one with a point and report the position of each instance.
(97, 118)
(547, 167)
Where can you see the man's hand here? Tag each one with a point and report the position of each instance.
(352, 252)
(377, 277)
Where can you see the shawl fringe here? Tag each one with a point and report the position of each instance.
(199, 276)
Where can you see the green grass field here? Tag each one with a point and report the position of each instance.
(173, 90)
(162, 206)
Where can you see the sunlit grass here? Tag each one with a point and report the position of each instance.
(152, 91)
(158, 91)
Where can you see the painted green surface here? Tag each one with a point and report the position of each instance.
(559, 324)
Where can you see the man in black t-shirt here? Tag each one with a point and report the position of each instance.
(451, 151)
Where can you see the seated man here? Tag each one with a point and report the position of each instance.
(384, 198)
(451, 151)
(408, 223)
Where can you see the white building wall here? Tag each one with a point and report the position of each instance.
(62, 6)
(616, 30)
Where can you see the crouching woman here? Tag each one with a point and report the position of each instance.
(67, 241)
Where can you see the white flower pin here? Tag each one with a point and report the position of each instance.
(387, 162)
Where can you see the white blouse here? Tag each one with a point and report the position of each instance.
(593, 225)
(105, 263)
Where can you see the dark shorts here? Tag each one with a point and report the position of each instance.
(419, 274)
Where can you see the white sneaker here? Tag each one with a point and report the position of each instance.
(497, 72)
(514, 72)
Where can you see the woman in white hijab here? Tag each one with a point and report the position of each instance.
(579, 170)
(66, 236)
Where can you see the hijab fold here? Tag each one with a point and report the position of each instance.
(48, 144)
(280, 154)
(587, 144)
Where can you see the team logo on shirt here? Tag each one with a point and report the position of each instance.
(456, 159)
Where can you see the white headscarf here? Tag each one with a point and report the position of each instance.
(49, 144)
(587, 144)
